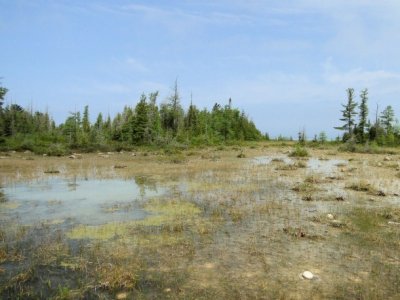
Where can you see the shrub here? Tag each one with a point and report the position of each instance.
(299, 151)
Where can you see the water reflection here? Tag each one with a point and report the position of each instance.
(84, 201)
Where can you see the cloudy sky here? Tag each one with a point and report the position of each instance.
(286, 63)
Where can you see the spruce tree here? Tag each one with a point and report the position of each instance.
(387, 119)
(85, 120)
(348, 115)
(140, 121)
(363, 115)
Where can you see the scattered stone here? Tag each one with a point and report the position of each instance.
(337, 224)
(3, 157)
(387, 158)
(110, 153)
(27, 152)
(393, 223)
(330, 216)
(380, 164)
(307, 275)
(121, 296)
(133, 154)
(104, 156)
(72, 156)
(44, 155)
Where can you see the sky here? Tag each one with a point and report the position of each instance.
(286, 63)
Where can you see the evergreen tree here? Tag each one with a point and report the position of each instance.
(348, 115)
(363, 115)
(172, 112)
(154, 123)
(86, 121)
(3, 92)
(387, 119)
(191, 121)
(140, 121)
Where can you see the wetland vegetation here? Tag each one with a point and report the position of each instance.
(208, 226)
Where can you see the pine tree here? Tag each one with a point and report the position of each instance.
(348, 115)
(86, 121)
(140, 121)
(387, 119)
(363, 115)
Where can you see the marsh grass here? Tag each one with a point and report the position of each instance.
(224, 229)
(299, 151)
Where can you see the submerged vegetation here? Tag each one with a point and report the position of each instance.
(218, 226)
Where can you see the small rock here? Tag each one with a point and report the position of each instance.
(330, 216)
(167, 290)
(110, 153)
(72, 156)
(337, 224)
(44, 155)
(133, 154)
(393, 223)
(121, 296)
(387, 158)
(307, 275)
(380, 164)
(27, 152)
(77, 155)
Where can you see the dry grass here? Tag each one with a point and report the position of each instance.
(226, 228)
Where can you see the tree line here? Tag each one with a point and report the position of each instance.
(358, 128)
(147, 123)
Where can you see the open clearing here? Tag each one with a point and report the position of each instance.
(201, 224)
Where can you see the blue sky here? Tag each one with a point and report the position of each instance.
(286, 63)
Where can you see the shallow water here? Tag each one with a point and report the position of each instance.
(83, 201)
(325, 166)
(316, 165)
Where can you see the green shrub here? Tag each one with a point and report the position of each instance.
(299, 151)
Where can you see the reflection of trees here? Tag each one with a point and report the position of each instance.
(2, 197)
(72, 185)
(145, 183)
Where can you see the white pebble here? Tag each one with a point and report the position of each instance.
(307, 275)
(330, 216)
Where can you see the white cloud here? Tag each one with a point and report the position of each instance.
(136, 65)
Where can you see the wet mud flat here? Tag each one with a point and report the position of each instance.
(200, 224)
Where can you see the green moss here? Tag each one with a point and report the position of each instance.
(172, 215)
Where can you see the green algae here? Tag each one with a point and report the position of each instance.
(171, 215)
(9, 205)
